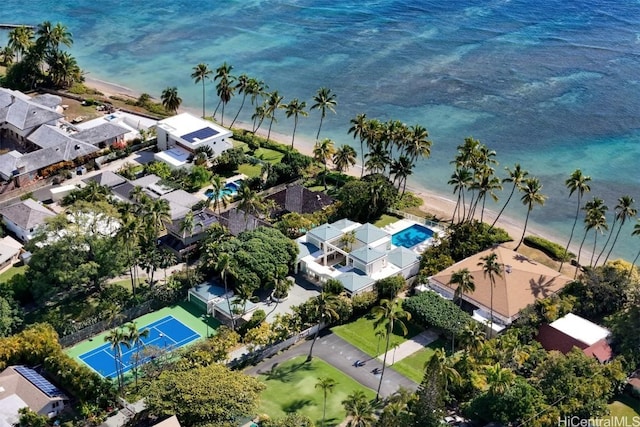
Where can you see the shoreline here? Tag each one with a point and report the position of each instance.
(439, 205)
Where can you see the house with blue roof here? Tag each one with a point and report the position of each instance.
(357, 255)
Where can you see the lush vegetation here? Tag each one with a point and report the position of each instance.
(429, 309)
(552, 249)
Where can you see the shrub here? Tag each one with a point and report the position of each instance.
(430, 309)
(333, 287)
(363, 302)
(551, 249)
(409, 200)
(390, 287)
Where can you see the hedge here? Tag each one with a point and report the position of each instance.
(551, 249)
(430, 309)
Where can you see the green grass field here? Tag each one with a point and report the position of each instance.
(249, 170)
(361, 334)
(291, 388)
(268, 155)
(412, 367)
(12, 272)
(623, 407)
(386, 219)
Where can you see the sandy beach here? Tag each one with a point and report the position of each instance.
(439, 205)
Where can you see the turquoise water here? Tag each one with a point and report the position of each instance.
(230, 189)
(411, 236)
(550, 84)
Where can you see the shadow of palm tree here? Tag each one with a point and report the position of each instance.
(296, 405)
(284, 374)
(541, 286)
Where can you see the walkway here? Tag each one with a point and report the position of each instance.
(342, 355)
(409, 347)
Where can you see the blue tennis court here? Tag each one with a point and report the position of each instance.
(167, 333)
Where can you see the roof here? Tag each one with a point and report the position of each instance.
(366, 255)
(299, 199)
(9, 163)
(180, 203)
(169, 422)
(123, 190)
(56, 146)
(403, 257)
(192, 129)
(325, 232)
(209, 291)
(522, 282)
(106, 179)
(600, 350)
(354, 281)
(581, 329)
(344, 224)
(305, 249)
(20, 111)
(369, 233)
(9, 247)
(202, 220)
(26, 214)
(48, 100)
(101, 133)
(236, 221)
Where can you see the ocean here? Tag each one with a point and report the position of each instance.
(552, 84)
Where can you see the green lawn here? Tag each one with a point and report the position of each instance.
(268, 155)
(291, 388)
(249, 170)
(412, 367)
(386, 220)
(12, 272)
(361, 334)
(624, 406)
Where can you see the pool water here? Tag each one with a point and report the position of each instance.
(230, 189)
(412, 236)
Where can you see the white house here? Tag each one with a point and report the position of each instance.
(181, 135)
(24, 218)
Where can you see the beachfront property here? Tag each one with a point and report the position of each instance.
(357, 255)
(522, 282)
(132, 123)
(23, 387)
(180, 136)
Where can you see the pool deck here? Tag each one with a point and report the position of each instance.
(201, 193)
(403, 224)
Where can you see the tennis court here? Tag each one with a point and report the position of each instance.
(166, 333)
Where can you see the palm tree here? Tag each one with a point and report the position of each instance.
(491, 268)
(218, 198)
(461, 179)
(322, 310)
(249, 201)
(388, 314)
(517, 177)
(117, 339)
(598, 224)
(258, 116)
(464, 280)
(63, 69)
(187, 225)
(243, 88)
(61, 34)
(377, 158)
(344, 157)
(322, 152)
(158, 215)
(324, 100)
(135, 338)
(295, 108)
(624, 210)
(636, 232)
(347, 240)
(273, 103)
(201, 72)
(327, 385)
(20, 40)
(224, 87)
(531, 196)
(170, 99)
(226, 267)
(418, 143)
(402, 169)
(595, 213)
(7, 55)
(498, 379)
(359, 410)
(579, 183)
(358, 129)
(129, 233)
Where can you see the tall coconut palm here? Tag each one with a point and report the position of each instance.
(187, 225)
(170, 99)
(594, 213)
(129, 234)
(532, 195)
(242, 86)
(295, 108)
(344, 157)
(226, 267)
(258, 116)
(323, 151)
(7, 55)
(387, 315)
(624, 210)
(461, 180)
(491, 268)
(224, 86)
(579, 184)
(201, 73)
(135, 337)
(60, 34)
(250, 202)
(326, 384)
(359, 410)
(377, 158)
(401, 169)
(487, 184)
(20, 40)
(498, 379)
(323, 310)
(464, 281)
(599, 225)
(635, 232)
(516, 177)
(418, 143)
(158, 216)
(219, 199)
(358, 127)
(118, 339)
(63, 69)
(324, 100)
(273, 104)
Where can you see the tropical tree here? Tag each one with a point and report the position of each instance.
(135, 337)
(170, 99)
(532, 195)
(516, 177)
(218, 197)
(201, 73)
(295, 108)
(7, 55)
(323, 151)
(491, 268)
(226, 267)
(401, 169)
(624, 210)
(63, 69)
(224, 87)
(20, 40)
(464, 281)
(323, 310)
(118, 339)
(61, 35)
(387, 315)
(327, 385)
(344, 157)
(187, 225)
(258, 116)
(377, 158)
(274, 102)
(461, 179)
(249, 201)
(242, 86)
(594, 214)
(129, 233)
(498, 379)
(576, 183)
(50, 37)
(635, 232)
(359, 410)
(418, 143)
(324, 100)
(358, 129)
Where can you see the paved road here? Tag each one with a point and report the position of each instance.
(342, 355)
(409, 347)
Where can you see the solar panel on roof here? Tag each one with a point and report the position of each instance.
(38, 380)
(200, 134)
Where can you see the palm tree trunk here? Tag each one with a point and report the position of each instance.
(633, 264)
(216, 110)
(524, 230)
(595, 242)
(293, 135)
(324, 408)
(362, 154)
(269, 133)
(226, 294)
(315, 337)
(607, 241)
(575, 221)
(384, 360)
(491, 313)
(319, 127)
(222, 118)
(203, 97)
(239, 109)
(503, 207)
(613, 244)
(579, 252)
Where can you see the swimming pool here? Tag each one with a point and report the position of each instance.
(412, 236)
(230, 189)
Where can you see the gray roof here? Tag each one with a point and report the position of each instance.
(48, 136)
(325, 232)
(48, 100)
(223, 307)
(9, 247)
(124, 190)
(9, 163)
(106, 179)
(101, 133)
(343, 223)
(366, 255)
(146, 180)
(27, 214)
(180, 203)
(202, 220)
(403, 257)
(18, 110)
(369, 233)
(354, 281)
(305, 249)
(236, 221)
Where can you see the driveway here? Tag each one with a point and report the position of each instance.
(342, 355)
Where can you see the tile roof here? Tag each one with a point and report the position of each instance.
(369, 233)
(14, 384)
(366, 255)
(101, 133)
(20, 111)
(299, 199)
(106, 179)
(402, 257)
(26, 214)
(354, 281)
(9, 247)
(180, 203)
(325, 232)
(236, 221)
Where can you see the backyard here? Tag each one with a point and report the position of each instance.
(291, 387)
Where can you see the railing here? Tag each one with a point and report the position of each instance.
(418, 219)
